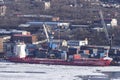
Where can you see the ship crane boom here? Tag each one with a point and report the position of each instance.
(46, 33)
(105, 27)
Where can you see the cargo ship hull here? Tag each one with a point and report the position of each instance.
(80, 62)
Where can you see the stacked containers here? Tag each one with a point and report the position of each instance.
(100, 53)
(71, 52)
(85, 54)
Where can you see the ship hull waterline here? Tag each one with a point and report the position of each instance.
(80, 62)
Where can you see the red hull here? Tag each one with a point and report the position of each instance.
(80, 62)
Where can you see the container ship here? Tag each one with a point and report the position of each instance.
(54, 57)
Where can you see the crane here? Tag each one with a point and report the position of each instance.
(103, 23)
(46, 33)
(49, 37)
(109, 38)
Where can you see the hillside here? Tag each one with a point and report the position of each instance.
(73, 11)
(79, 11)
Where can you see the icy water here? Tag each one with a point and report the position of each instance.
(18, 71)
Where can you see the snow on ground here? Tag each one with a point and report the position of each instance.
(20, 71)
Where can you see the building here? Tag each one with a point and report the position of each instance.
(3, 39)
(114, 22)
(2, 8)
(12, 31)
(35, 26)
(47, 5)
(79, 26)
(77, 43)
(24, 38)
(55, 18)
(93, 2)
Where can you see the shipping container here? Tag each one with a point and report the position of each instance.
(72, 51)
(76, 56)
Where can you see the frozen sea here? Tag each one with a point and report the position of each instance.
(21, 71)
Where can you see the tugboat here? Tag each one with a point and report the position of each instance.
(20, 56)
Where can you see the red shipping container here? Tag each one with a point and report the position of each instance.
(76, 56)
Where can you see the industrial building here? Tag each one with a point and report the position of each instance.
(24, 38)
